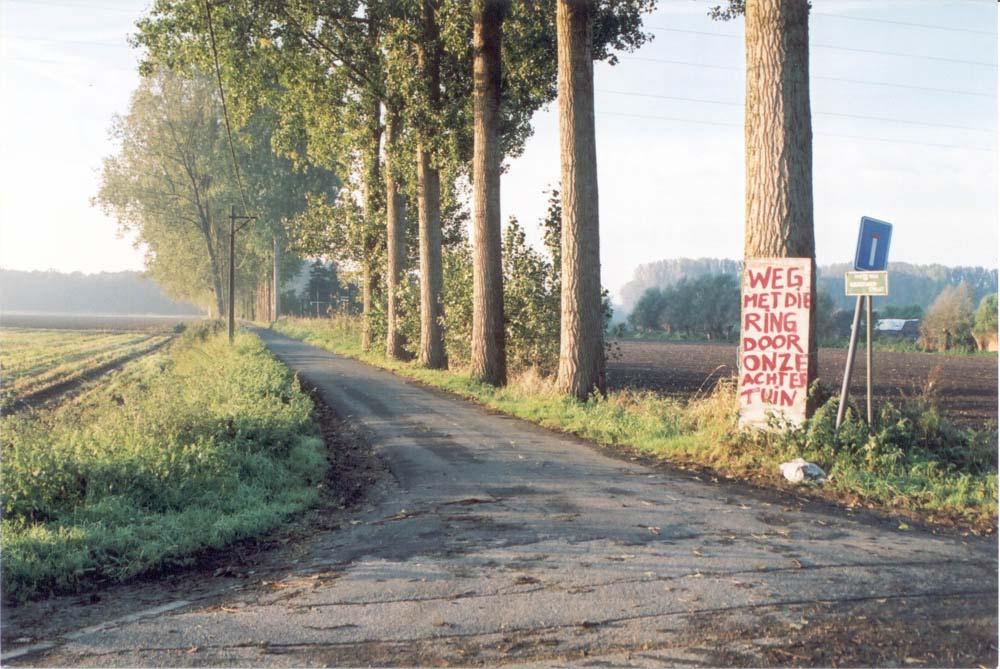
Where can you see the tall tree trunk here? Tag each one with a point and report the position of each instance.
(213, 264)
(395, 240)
(371, 183)
(432, 353)
(581, 339)
(779, 197)
(489, 358)
(371, 209)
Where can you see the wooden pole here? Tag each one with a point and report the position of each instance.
(232, 272)
(276, 276)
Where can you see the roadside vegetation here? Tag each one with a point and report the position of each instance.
(184, 450)
(916, 463)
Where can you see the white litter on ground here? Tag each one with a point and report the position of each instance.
(799, 471)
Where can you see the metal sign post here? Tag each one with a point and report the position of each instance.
(851, 349)
(868, 365)
(871, 278)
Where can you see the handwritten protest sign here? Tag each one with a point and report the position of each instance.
(774, 340)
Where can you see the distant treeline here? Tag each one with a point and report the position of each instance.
(908, 284)
(79, 293)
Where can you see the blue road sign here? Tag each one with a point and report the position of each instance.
(873, 245)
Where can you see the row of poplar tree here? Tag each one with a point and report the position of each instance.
(349, 114)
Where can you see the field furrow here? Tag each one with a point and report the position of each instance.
(36, 366)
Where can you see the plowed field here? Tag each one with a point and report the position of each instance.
(965, 386)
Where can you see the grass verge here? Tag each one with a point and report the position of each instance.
(199, 446)
(917, 464)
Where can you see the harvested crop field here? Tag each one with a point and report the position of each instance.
(38, 365)
(965, 386)
(112, 322)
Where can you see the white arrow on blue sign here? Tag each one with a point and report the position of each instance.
(873, 245)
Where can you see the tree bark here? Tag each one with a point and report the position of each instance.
(395, 241)
(489, 360)
(370, 199)
(432, 353)
(581, 340)
(779, 197)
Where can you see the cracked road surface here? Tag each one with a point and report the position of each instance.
(497, 542)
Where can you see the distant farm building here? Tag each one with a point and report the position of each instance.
(898, 328)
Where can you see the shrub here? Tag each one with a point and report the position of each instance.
(948, 323)
(985, 328)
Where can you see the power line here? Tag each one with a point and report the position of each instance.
(905, 55)
(906, 121)
(693, 32)
(823, 113)
(864, 82)
(57, 40)
(824, 134)
(834, 47)
(72, 5)
(671, 97)
(950, 91)
(68, 62)
(683, 62)
(671, 118)
(904, 23)
(981, 149)
(225, 110)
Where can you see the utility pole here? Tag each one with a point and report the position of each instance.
(275, 295)
(232, 265)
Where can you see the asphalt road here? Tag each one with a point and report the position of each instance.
(496, 542)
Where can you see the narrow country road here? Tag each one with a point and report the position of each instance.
(497, 542)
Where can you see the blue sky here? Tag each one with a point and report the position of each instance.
(669, 131)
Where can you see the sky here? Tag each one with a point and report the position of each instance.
(904, 116)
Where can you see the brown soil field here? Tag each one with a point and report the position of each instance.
(965, 387)
(112, 322)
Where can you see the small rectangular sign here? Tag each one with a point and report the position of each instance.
(775, 298)
(872, 254)
(866, 283)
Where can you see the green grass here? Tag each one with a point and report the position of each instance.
(185, 450)
(916, 463)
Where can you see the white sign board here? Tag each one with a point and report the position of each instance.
(866, 283)
(774, 340)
